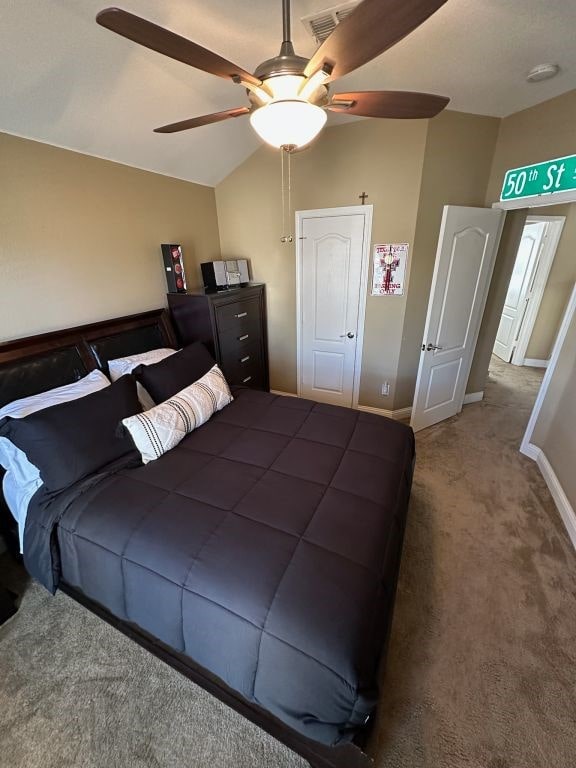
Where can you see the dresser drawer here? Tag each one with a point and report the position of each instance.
(252, 375)
(242, 355)
(241, 363)
(239, 338)
(238, 314)
(254, 380)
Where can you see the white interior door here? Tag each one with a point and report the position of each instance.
(333, 251)
(519, 290)
(465, 257)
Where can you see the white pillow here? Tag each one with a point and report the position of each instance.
(164, 426)
(13, 459)
(123, 365)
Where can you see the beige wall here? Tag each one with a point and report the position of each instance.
(80, 237)
(383, 158)
(560, 442)
(459, 151)
(555, 430)
(561, 380)
(533, 135)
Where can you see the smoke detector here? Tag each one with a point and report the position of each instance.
(542, 72)
(321, 24)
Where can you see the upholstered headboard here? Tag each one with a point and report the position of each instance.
(38, 363)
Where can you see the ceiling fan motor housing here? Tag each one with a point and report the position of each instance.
(287, 63)
(283, 64)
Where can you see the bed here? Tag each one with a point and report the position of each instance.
(259, 557)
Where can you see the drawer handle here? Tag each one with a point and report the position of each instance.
(243, 338)
(245, 359)
(241, 314)
(246, 379)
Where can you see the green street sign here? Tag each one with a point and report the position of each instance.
(540, 179)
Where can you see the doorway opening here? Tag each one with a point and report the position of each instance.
(525, 334)
(528, 324)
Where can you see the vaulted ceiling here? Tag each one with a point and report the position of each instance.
(66, 81)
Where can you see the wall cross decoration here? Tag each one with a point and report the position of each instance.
(363, 197)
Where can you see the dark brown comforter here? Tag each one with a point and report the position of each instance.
(265, 547)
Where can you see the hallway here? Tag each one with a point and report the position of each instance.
(512, 386)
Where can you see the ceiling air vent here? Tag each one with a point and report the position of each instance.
(322, 24)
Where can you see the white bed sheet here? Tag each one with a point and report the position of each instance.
(17, 498)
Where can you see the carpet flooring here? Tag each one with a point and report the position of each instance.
(481, 669)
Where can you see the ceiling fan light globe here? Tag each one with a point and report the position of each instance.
(288, 123)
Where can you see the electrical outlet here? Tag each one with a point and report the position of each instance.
(385, 388)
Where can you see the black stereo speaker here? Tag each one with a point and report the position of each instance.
(174, 268)
(220, 275)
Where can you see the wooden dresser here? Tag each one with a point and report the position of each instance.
(232, 324)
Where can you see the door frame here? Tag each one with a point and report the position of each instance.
(319, 213)
(543, 267)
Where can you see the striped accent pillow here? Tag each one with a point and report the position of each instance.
(161, 428)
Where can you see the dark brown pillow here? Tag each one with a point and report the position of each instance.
(171, 375)
(72, 440)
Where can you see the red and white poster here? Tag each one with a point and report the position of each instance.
(389, 269)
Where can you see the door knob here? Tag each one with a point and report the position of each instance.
(349, 334)
(431, 347)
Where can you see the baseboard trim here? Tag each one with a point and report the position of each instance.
(401, 413)
(530, 450)
(562, 502)
(532, 362)
(473, 397)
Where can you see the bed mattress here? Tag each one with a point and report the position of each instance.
(265, 547)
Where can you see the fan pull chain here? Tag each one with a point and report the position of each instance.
(289, 152)
(283, 237)
(286, 213)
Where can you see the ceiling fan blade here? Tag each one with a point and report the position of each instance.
(195, 122)
(371, 28)
(396, 104)
(170, 44)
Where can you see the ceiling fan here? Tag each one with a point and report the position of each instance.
(289, 94)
